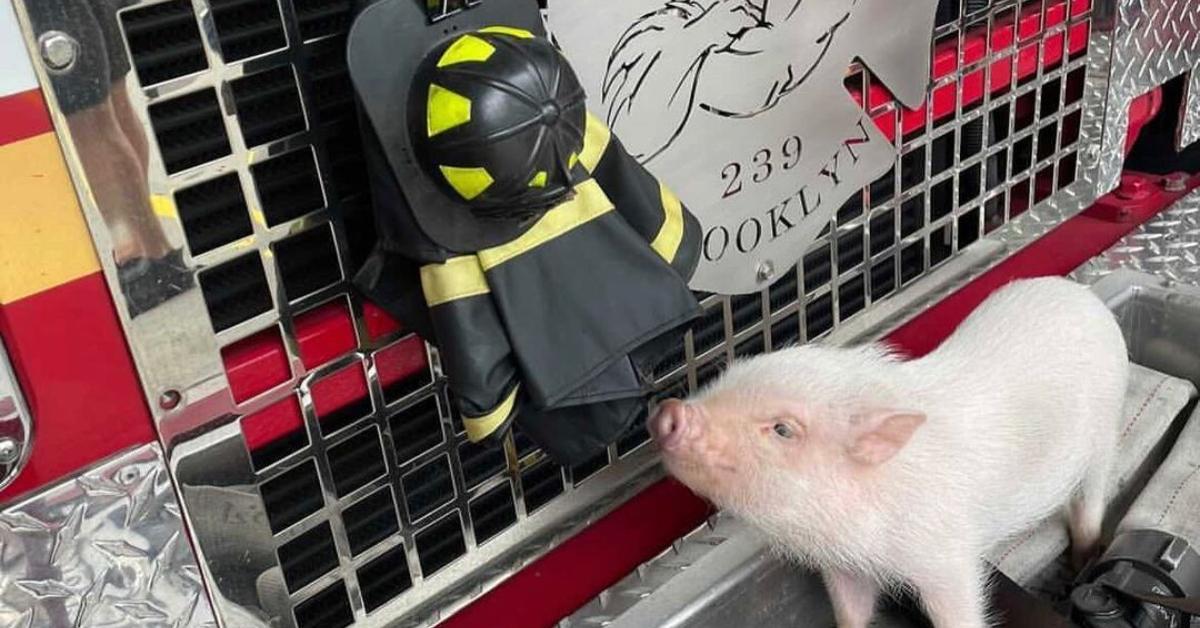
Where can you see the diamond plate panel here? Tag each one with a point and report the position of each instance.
(1189, 115)
(106, 548)
(1150, 43)
(1167, 247)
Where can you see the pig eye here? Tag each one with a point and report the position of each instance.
(783, 430)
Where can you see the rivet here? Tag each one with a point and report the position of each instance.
(58, 49)
(1177, 182)
(169, 399)
(9, 451)
(765, 271)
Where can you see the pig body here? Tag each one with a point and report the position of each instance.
(885, 473)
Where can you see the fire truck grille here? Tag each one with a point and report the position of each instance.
(307, 262)
(268, 105)
(318, 18)
(375, 504)
(164, 41)
(247, 27)
(235, 291)
(213, 213)
(189, 130)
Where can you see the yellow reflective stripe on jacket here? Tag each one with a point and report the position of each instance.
(595, 142)
(670, 235)
(457, 278)
(589, 203)
(480, 427)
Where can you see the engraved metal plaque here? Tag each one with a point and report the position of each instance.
(741, 106)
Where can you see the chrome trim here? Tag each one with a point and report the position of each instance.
(231, 526)
(16, 423)
(105, 548)
(178, 354)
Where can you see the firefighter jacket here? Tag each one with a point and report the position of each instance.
(558, 328)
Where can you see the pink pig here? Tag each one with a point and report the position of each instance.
(883, 473)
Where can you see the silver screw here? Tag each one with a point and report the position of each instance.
(765, 271)
(9, 451)
(128, 475)
(58, 49)
(169, 400)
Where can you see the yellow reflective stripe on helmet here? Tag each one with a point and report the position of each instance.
(480, 427)
(508, 30)
(595, 142)
(539, 179)
(670, 235)
(456, 278)
(466, 48)
(589, 203)
(445, 110)
(468, 182)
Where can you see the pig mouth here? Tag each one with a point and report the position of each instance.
(691, 466)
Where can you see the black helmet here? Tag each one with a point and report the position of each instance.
(497, 118)
(494, 72)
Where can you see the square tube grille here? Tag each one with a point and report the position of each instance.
(371, 491)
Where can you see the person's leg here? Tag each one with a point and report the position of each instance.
(118, 183)
(130, 124)
(119, 70)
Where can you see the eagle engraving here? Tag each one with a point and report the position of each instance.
(742, 107)
(673, 46)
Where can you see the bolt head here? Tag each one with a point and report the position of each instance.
(765, 272)
(58, 49)
(1177, 182)
(9, 451)
(169, 400)
(1093, 601)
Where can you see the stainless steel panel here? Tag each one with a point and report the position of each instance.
(1144, 43)
(742, 109)
(16, 423)
(874, 269)
(1167, 247)
(1189, 116)
(225, 507)
(105, 548)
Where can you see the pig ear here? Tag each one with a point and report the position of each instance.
(878, 435)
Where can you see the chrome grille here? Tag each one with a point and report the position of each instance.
(372, 505)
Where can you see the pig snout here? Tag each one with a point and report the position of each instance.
(673, 423)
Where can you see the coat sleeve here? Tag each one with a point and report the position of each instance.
(474, 348)
(646, 203)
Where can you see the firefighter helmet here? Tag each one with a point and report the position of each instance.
(497, 117)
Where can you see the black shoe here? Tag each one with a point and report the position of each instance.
(148, 283)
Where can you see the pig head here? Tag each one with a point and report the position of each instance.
(772, 434)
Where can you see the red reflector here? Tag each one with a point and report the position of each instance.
(339, 390)
(324, 333)
(256, 364)
(401, 361)
(379, 323)
(272, 423)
